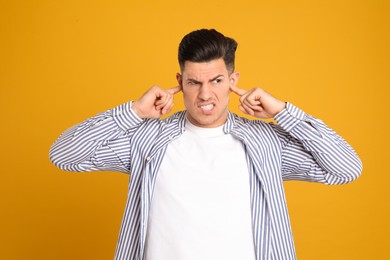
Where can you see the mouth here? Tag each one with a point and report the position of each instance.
(207, 108)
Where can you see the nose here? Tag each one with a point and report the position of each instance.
(205, 92)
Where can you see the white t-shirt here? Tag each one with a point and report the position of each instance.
(201, 204)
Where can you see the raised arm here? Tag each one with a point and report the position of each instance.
(311, 151)
(102, 143)
(314, 152)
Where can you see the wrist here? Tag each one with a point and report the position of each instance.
(280, 107)
(136, 110)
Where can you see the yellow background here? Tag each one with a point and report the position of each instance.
(64, 61)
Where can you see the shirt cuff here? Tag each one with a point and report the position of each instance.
(125, 117)
(290, 117)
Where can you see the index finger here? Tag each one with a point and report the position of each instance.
(174, 90)
(238, 91)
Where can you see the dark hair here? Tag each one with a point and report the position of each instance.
(205, 45)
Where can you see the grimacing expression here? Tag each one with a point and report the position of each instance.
(206, 91)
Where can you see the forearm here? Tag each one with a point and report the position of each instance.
(330, 159)
(99, 143)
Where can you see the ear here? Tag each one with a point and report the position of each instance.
(179, 79)
(234, 77)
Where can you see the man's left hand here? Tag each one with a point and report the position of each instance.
(258, 103)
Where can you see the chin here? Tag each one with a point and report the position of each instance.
(207, 122)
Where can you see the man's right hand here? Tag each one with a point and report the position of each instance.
(155, 103)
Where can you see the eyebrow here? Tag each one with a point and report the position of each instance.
(198, 82)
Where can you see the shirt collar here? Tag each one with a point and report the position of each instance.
(229, 123)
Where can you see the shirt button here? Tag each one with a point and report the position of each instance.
(148, 158)
(170, 137)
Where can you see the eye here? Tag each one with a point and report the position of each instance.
(217, 81)
(192, 83)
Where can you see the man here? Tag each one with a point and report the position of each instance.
(206, 183)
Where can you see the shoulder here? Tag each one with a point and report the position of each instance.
(176, 119)
(254, 124)
(258, 129)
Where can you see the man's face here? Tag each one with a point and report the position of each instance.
(206, 91)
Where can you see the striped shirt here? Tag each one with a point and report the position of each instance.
(298, 147)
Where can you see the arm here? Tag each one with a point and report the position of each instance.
(310, 150)
(103, 142)
(99, 143)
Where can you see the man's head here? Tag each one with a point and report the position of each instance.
(206, 59)
(206, 45)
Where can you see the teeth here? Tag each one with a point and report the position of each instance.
(208, 107)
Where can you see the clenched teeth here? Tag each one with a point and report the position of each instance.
(208, 107)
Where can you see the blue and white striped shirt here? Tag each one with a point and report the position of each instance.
(299, 147)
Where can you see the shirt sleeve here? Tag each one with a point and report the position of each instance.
(100, 143)
(311, 151)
